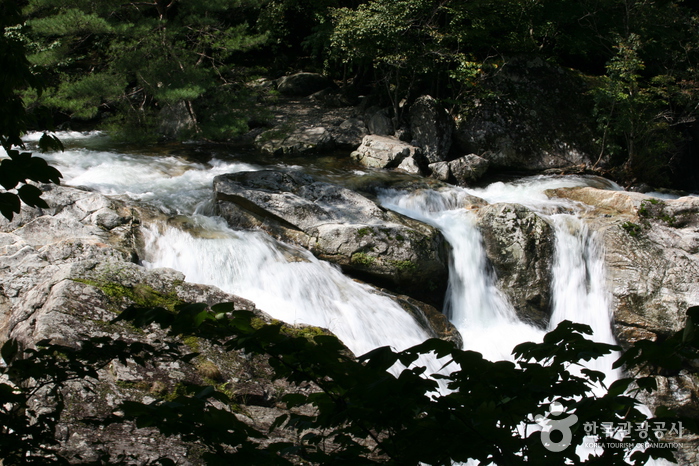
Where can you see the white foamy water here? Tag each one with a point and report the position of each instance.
(478, 309)
(173, 184)
(292, 285)
(474, 304)
(64, 136)
(579, 285)
(287, 282)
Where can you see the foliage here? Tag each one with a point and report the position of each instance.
(28, 428)
(362, 413)
(640, 57)
(633, 110)
(132, 60)
(19, 167)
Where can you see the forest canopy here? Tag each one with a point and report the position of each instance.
(130, 66)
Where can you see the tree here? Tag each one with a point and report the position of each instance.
(137, 59)
(17, 74)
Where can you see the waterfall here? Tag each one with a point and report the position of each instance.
(292, 285)
(579, 285)
(474, 304)
(287, 282)
(479, 310)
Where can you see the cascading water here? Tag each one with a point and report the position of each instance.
(474, 304)
(579, 279)
(288, 283)
(293, 286)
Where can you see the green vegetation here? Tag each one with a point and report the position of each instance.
(358, 413)
(134, 67)
(633, 229)
(139, 294)
(19, 167)
(404, 266)
(655, 209)
(362, 259)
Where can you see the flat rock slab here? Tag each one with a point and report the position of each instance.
(340, 226)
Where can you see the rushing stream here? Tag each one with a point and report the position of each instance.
(292, 285)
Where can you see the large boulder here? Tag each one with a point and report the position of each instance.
(303, 84)
(468, 169)
(520, 246)
(67, 272)
(385, 152)
(531, 120)
(462, 171)
(431, 128)
(350, 133)
(340, 226)
(378, 121)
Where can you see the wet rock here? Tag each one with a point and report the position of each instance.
(66, 274)
(462, 171)
(440, 171)
(431, 128)
(340, 226)
(430, 319)
(651, 251)
(520, 246)
(413, 164)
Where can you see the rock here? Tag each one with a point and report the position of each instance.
(413, 164)
(468, 169)
(431, 128)
(350, 133)
(520, 246)
(430, 319)
(378, 122)
(531, 121)
(462, 171)
(383, 152)
(340, 226)
(651, 254)
(303, 84)
(65, 276)
(277, 141)
(440, 171)
(176, 121)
